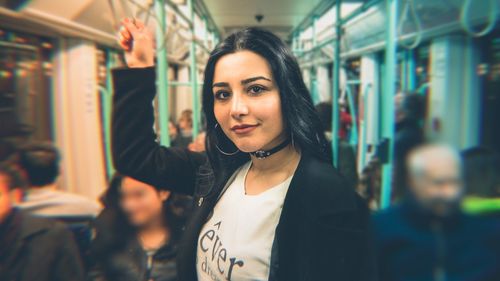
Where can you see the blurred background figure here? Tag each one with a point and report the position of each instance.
(369, 184)
(173, 131)
(32, 248)
(40, 161)
(410, 111)
(184, 127)
(181, 133)
(6, 150)
(347, 154)
(345, 122)
(482, 179)
(427, 236)
(185, 122)
(138, 232)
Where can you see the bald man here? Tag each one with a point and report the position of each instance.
(426, 236)
(435, 179)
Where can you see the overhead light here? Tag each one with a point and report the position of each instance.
(179, 2)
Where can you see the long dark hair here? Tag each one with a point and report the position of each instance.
(302, 123)
(113, 228)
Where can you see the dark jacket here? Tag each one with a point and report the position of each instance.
(33, 248)
(408, 136)
(131, 263)
(414, 245)
(323, 230)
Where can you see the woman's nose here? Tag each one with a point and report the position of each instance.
(239, 107)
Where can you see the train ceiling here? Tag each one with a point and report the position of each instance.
(279, 16)
(89, 19)
(95, 20)
(366, 33)
(431, 18)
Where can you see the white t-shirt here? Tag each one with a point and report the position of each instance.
(235, 243)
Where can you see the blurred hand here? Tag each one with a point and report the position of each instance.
(137, 42)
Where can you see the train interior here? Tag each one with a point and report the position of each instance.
(56, 85)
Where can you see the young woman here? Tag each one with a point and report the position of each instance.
(137, 233)
(268, 203)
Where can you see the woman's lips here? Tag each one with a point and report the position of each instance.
(243, 129)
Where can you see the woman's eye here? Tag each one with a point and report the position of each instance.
(222, 95)
(256, 89)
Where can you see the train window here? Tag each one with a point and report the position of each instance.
(489, 70)
(25, 85)
(413, 69)
(422, 68)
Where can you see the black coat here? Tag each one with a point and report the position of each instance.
(414, 245)
(408, 136)
(322, 233)
(33, 248)
(131, 263)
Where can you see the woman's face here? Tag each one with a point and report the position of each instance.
(247, 102)
(142, 203)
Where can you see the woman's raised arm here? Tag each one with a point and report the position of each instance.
(135, 150)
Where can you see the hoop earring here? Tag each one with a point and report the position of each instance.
(222, 151)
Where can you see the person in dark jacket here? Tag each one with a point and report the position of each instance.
(410, 111)
(347, 155)
(137, 233)
(268, 203)
(41, 162)
(427, 236)
(32, 248)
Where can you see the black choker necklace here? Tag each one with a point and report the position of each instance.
(261, 154)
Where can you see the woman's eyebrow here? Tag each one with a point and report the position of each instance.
(249, 80)
(243, 82)
(220, 84)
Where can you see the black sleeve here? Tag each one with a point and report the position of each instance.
(366, 258)
(135, 150)
(68, 265)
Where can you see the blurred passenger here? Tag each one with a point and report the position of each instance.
(345, 122)
(410, 111)
(482, 179)
(198, 145)
(173, 131)
(185, 125)
(369, 185)
(41, 163)
(347, 155)
(6, 149)
(185, 122)
(181, 133)
(137, 233)
(32, 248)
(427, 236)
